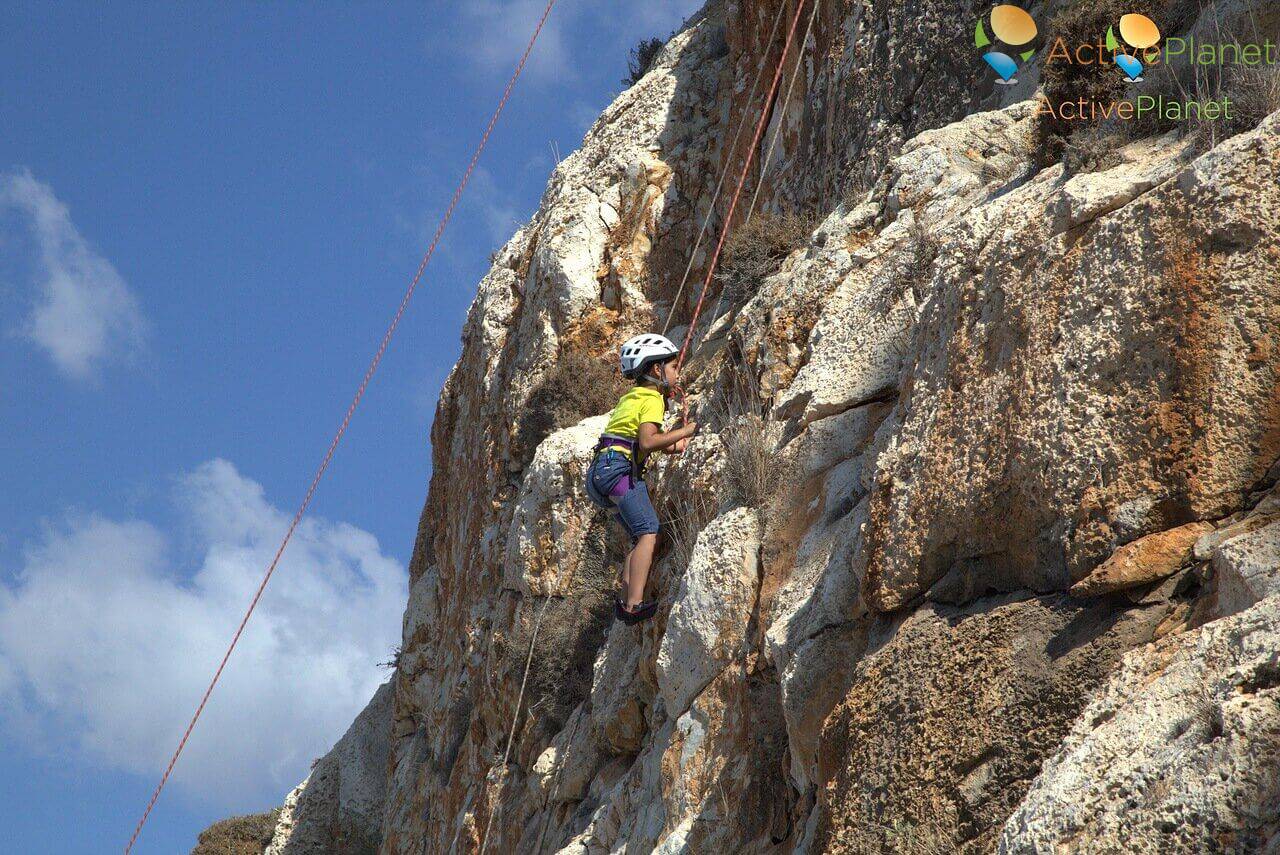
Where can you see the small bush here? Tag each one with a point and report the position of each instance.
(854, 187)
(574, 623)
(393, 662)
(240, 835)
(578, 385)
(1085, 22)
(924, 838)
(641, 60)
(755, 251)
(1079, 23)
(581, 385)
(1093, 150)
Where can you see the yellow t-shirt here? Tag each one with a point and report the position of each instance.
(641, 404)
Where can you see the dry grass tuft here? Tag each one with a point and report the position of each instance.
(934, 834)
(1254, 91)
(684, 514)
(924, 237)
(753, 470)
(751, 466)
(755, 251)
(1255, 95)
(924, 838)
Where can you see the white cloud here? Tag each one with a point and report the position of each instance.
(497, 31)
(84, 312)
(106, 647)
(496, 206)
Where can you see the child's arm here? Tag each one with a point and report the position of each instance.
(652, 439)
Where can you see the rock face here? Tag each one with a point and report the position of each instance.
(1014, 579)
(948, 721)
(338, 809)
(1180, 752)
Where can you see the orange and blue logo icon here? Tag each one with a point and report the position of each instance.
(1140, 33)
(1012, 26)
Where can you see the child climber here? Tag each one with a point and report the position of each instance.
(615, 479)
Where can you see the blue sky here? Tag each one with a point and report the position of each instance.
(207, 214)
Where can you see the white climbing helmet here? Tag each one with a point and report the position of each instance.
(642, 351)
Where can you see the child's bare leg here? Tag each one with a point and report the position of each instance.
(638, 567)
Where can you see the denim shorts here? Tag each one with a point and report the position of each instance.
(632, 507)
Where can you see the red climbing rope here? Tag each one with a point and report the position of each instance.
(346, 420)
(746, 168)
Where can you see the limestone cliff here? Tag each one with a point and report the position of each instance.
(1011, 583)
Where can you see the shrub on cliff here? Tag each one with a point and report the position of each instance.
(641, 60)
(583, 381)
(578, 385)
(240, 835)
(755, 251)
(1085, 23)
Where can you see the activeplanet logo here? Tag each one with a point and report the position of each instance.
(1139, 32)
(1014, 27)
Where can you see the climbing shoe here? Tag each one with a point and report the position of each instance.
(631, 617)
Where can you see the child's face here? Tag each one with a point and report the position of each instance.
(668, 371)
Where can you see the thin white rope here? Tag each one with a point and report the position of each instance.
(764, 169)
(515, 720)
(777, 132)
(724, 170)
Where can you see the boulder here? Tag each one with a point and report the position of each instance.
(707, 626)
(1143, 561)
(1178, 753)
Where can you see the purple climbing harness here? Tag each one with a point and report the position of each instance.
(626, 482)
(617, 484)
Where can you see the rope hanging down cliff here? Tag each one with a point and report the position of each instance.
(346, 420)
(733, 205)
(773, 144)
(724, 170)
(773, 90)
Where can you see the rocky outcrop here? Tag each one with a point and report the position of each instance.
(338, 808)
(1020, 430)
(946, 724)
(1145, 560)
(1180, 752)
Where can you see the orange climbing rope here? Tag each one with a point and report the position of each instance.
(773, 144)
(724, 172)
(346, 420)
(733, 205)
